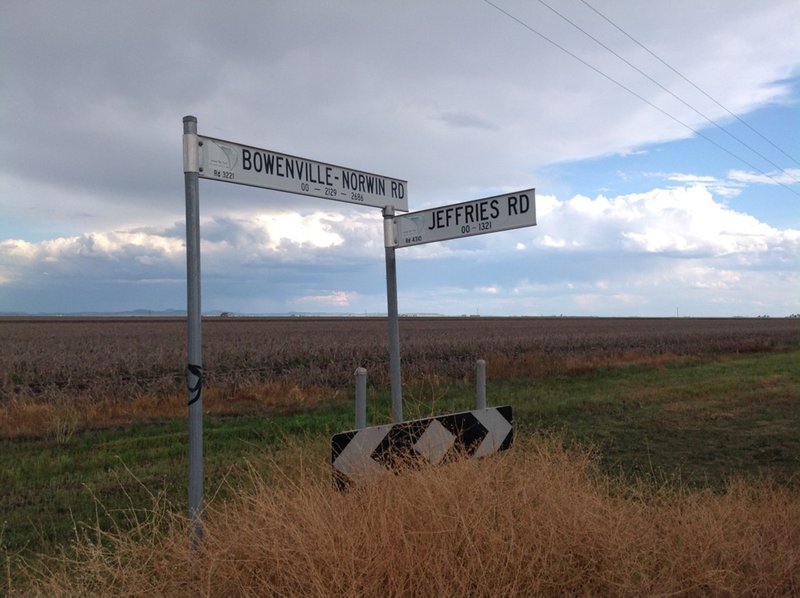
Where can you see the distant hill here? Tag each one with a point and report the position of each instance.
(144, 313)
(177, 313)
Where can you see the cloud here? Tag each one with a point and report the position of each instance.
(683, 220)
(333, 298)
(94, 94)
(466, 121)
(489, 290)
(91, 254)
(692, 178)
(789, 176)
(735, 182)
(276, 231)
(627, 254)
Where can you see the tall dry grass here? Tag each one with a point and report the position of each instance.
(538, 520)
(60, 417)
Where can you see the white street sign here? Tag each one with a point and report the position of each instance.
(235, 163)
(477, 217)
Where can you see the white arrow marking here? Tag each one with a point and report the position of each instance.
(498, 428)
(355, 461)
(435, 442)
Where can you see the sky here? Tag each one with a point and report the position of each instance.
(662, 139)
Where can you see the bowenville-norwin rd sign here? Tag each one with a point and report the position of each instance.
(235, 163)
(477, 217)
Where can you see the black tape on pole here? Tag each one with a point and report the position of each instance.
(197, 388)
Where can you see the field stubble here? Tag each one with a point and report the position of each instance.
(64, 374)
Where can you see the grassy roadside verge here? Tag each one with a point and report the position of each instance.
(48, 488)
(698, 423)
(701, 421)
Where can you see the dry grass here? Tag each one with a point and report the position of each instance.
(59, 418)
(538, 520)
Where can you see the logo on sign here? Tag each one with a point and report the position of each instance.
(412, 228)
(227, 157)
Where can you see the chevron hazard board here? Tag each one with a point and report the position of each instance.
(359, 455)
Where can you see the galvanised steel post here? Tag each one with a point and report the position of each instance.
(480, 401)
(194, 374)
(361, 398)
(394, 320)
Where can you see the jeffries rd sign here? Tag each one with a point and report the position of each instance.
(235, 163)
(477, 217)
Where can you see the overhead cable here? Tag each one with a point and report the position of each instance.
(651, 79)
(690, 82)
(637, 95)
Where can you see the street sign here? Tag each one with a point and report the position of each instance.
(231, 162)
(477, 217)
(360, 455)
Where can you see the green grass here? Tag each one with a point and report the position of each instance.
(700, 421)
(47, 487)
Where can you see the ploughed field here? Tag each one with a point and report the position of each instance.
(651, 457)
(59, 358)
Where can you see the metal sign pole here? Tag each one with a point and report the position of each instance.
(194, 374)
(231, 162)
(480, 382)
(394, 323)
(361, 398)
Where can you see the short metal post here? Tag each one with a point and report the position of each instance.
(361, 398)
(194, 375)
(480, 402)
(393, 316)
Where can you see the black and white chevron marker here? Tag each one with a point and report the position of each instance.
(359, 455)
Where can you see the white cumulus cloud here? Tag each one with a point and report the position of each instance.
(333, 298)
(601, 255)
(683, 220)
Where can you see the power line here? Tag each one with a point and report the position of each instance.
(635, 94)
(651, 79)
(690, 82)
